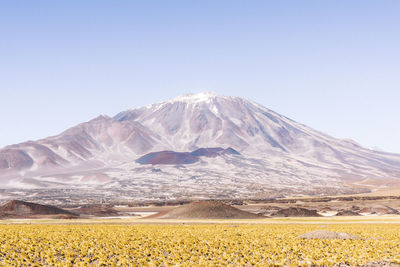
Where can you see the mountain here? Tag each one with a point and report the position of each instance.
(205, 210)
(275, 156)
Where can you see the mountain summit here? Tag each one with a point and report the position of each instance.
(276, 155)
(209, 120)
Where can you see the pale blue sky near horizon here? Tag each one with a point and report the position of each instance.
(332, 65)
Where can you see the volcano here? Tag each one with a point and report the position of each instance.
(270, 155)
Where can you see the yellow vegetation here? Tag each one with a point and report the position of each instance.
(194, 245)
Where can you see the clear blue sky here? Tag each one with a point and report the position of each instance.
(332, 65)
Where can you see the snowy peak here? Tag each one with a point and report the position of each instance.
(200, 120)
(196, 98)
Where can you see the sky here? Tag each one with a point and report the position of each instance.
(332, 65)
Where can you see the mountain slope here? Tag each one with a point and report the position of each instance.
(100, 142)
(276, 156)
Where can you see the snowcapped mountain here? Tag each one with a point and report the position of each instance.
(276, 155)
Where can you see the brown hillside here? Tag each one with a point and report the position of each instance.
(22, 209)
(296, 212)
(380, 210)
(205, 210)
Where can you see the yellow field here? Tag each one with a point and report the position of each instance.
(194, 245)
